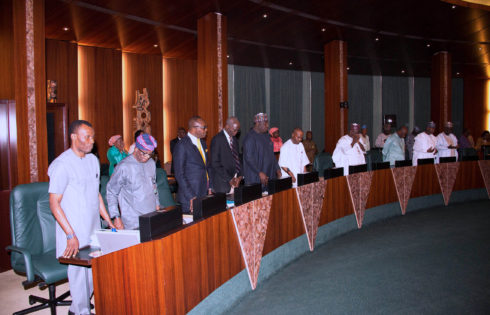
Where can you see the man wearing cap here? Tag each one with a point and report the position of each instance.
(381, 139)
(447, 143)
(394, 148)
(192, 165)
(365, 138)
(134, 186)
(259, 162)
(425, 144)
(349, 149)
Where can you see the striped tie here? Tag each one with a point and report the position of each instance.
(234, 152)
(199, 147)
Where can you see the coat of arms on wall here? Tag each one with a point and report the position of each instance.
(143, 115)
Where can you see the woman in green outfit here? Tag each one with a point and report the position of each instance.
(116, 152)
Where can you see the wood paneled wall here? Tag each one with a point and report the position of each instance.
(143, 71)
(474, 105)
(179, 97)
(100, 93)
(440, 89)
(61, 65)
(7, 51)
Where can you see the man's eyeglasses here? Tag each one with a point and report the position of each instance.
(202, 127)
(145, 154)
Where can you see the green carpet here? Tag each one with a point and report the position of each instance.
(435, 261)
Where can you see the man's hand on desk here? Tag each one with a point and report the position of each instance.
(72, 246)
(263, 178)
(118, 223)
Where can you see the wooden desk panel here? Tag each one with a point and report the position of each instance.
(382, 190)
(337, 202)
(469, 176)
(425, 182)
(285, 221)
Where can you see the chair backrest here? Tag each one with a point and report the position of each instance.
(322, 162)
(31, 221)
(164, 194)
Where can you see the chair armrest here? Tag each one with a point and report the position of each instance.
(27, 260)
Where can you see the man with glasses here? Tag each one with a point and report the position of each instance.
(192, 165)
(134, 186)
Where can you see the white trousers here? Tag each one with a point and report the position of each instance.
(81, 289)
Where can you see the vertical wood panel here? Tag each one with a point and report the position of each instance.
(469, 176)
(337, 202)
(285, 221)
(382, 190)
(143, 71)
(335, 92)
(100, 93)
(212, 65)
(441, 89)
(425, 182)
(61, 65)
(5, 238)
(179, 97)
(6, 53)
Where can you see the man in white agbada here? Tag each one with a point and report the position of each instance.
(382, 137)
(293, 158)
(425, 144)
(349, 150)
(447, 143)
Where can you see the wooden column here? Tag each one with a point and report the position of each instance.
(335, 92)
(30, 90)
(212, 78)
(440, 89)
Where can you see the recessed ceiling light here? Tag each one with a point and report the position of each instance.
(265, 15)
(479, 48)
(323, 29)
(376, 39)
(428, 45)
(156, 45)
(348, 68)
(457, 73)
(453, 7)
(403, 71)
(227, 56)
(66, 28)
(290, 63)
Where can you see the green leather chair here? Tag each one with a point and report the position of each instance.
(33, 249)
(322, 162)
(164, 193)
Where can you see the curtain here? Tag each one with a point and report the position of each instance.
(360, 92)
(422, 102)
(395, 98)
(318, 109)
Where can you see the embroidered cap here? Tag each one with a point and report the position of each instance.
(431, 124)
(113, 139)
(261, 117)
(146, 142)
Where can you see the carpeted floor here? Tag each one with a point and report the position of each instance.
(434, 261)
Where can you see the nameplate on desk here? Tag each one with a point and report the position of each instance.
(380, 166)
(469, 158)
(357, 168)
(333, 172)
(448, 159)
(425, 161)
(157, 223)
(247, 193)
(278, 185)
(403, 163)
(209, 205)
(307, 178)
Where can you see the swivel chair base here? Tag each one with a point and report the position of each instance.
(51, 303)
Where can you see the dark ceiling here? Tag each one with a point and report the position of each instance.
(383, 36)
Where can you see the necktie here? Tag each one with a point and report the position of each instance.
(199, 147)
(234, 152)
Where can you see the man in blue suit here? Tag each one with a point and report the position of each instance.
(192, 165)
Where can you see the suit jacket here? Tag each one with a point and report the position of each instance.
(173, 142)
(190, 171)
(222, 162)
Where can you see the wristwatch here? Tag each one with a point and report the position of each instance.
(70, 236)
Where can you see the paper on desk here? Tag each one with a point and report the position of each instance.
(188, 218)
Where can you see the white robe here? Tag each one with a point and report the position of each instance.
(346, 155)
(365, 143)
(293, 156)
(423, 142)
(443, 141)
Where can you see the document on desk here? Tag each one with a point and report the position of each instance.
(188, 218)
(111, 241)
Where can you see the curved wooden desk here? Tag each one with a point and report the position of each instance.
(173, 274)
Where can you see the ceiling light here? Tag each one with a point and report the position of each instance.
(265, 15)
(348, 68)
(156, 45)
(290, 63)
(66, 28)
(457, 73)
(323, 29)
(428, 45)
(227, 56)
(479, 48)
(377, 39)
(453, 7)
(403, 71)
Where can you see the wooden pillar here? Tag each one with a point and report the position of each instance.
(212, 72)
(440, 89)
(335, 92)
(30, 90)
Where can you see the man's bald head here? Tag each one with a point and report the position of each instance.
(232, 126)
(297, 135)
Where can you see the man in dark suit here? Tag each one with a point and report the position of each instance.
(180, 135)
(192, 165)
(225, 160)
